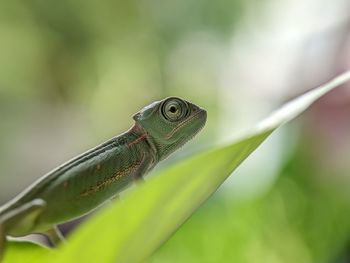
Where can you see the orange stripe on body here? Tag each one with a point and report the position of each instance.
(142, 137)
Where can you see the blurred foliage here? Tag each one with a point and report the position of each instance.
(62, 50)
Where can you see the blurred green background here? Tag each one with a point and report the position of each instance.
(72, 73)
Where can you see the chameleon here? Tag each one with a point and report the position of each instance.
(85, 182)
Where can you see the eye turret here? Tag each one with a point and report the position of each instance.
(174, 109)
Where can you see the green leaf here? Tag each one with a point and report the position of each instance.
(132, 229)
(23, 251)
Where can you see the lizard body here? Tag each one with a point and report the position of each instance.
(85, 182)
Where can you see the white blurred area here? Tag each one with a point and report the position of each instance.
(274, 51)
(280, 50)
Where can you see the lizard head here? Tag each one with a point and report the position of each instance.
(170, 123)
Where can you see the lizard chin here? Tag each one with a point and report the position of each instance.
(197, 123)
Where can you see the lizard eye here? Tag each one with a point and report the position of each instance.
(174, 109)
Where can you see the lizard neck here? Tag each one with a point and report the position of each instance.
(141, 133)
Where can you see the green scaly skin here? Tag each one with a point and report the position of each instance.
(83, 183)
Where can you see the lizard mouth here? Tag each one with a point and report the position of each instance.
(194, 124)
(200, 116)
